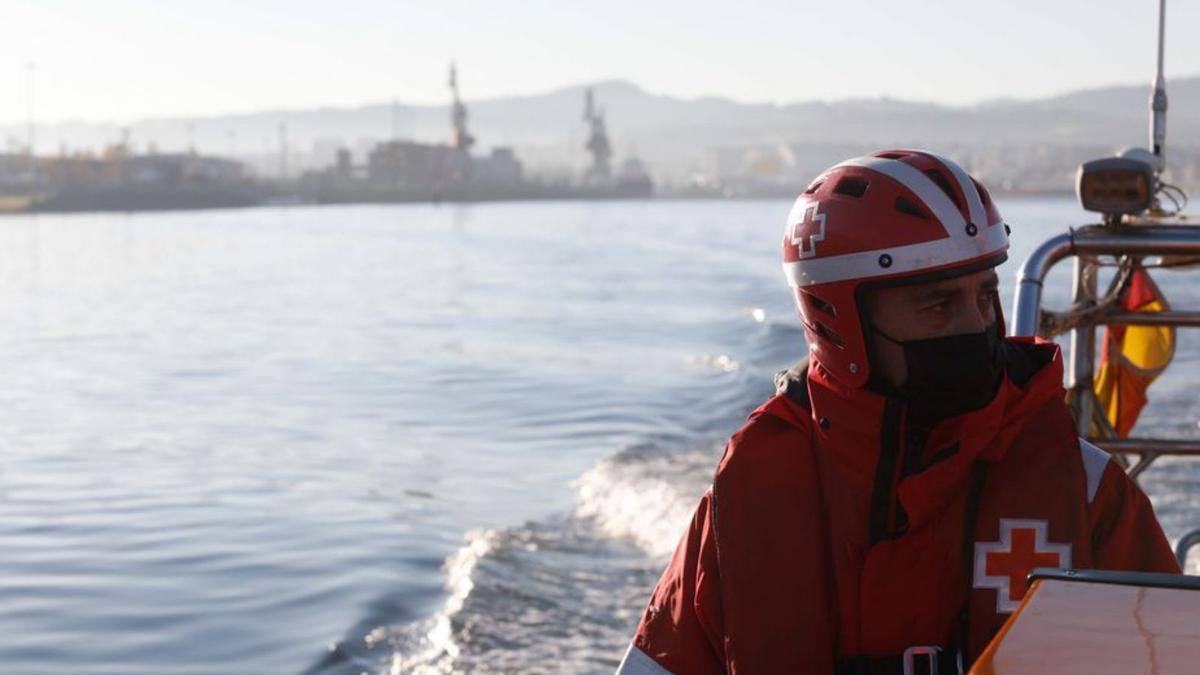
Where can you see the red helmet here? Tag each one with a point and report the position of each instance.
(904, 215)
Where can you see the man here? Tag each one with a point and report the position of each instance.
(888, 503)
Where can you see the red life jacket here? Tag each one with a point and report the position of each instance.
(815, 548)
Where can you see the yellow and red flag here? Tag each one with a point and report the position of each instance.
(1133, 356)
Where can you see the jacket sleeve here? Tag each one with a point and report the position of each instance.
(1125, 533)
(681, 630)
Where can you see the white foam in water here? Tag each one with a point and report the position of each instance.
(438, 650)
(645, 495)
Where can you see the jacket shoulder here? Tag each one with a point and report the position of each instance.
(1045, 440)
(772, 451)
(1048, 447)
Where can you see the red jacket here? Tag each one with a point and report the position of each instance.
(815, 545)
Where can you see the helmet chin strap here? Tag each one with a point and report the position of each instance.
(875, 329)
(877, 383)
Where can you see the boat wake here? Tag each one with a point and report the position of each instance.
(565, 594)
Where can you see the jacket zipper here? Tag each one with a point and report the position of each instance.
(885, 516)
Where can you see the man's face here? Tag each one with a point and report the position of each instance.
(956, 306)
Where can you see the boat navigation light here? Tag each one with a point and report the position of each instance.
(1115, 186)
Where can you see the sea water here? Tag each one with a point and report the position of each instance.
(391, 439)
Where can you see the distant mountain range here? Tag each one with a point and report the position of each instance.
(675, 136)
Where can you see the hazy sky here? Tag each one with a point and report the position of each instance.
(120, 60)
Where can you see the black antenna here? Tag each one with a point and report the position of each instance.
(1158, 100)
(30, 72)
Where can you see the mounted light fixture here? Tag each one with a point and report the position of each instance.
(1115, 186)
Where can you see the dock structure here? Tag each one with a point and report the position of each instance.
(462, 139)
(399, 170)
(598, 145)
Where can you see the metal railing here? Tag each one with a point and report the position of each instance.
(1128, 246)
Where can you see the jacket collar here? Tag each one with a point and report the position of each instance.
(848, 426)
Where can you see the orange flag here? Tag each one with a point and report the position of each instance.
(1133, 356)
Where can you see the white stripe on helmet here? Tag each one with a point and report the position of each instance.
(921, 185)
(955, 248)
(974, 202)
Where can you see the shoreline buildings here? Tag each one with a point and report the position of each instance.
(118, 179)
(404, 171)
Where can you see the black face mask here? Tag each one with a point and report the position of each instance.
(951, 375)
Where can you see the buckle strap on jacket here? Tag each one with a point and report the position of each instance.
(914, 661)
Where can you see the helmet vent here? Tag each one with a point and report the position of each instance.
(937, 177)
(813, 188)
(822, 306)
(828, 334)
(910, 209)
(894, 155)
(851, 187)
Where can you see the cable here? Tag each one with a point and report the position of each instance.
(1178, 197)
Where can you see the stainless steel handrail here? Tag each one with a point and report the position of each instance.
(1092, 240)
(1186, 542)
(1184, 319)
(1159, 446)
(1131, 243)
(1147, 450)
(1027, 303)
